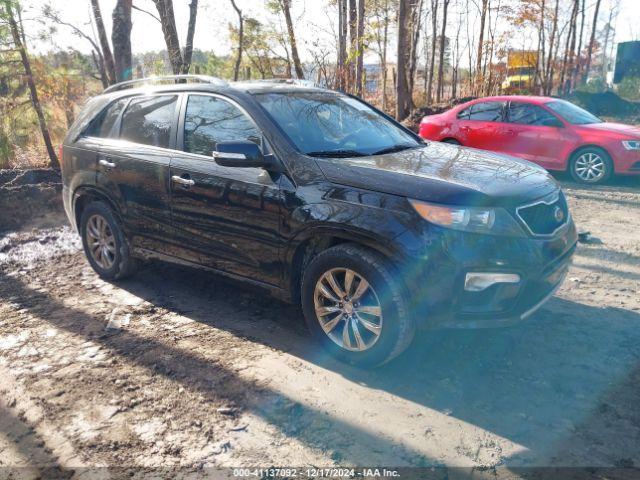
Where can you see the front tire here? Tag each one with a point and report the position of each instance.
(591, 166)
(104, 242)
(355, 307)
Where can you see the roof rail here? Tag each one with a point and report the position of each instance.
(169, 78)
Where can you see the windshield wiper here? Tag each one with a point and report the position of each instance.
(337, 153)
(394, 148)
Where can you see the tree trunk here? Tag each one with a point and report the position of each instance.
(236, 68)
(403, 95)
(416, 17)
(286, 10)
(170, 32)
(121, 40)
(383, 60)
(578, 69)
(591, 42)
(434, 38)
(191, 31)
(550, 59)
(443, 40)
(483, 19)
(17, 40)
(360, 62)
(540, 63)
(109, 65)
(342, 44)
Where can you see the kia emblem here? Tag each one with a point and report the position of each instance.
(558, 214)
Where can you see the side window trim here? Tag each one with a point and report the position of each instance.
(179, 146)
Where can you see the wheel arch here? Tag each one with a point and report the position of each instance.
(83, 196)
(576, 150)
(313, 241)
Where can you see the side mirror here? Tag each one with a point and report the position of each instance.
(239, 154)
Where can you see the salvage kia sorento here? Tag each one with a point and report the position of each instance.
(320, 199)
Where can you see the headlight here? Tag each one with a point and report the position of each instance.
(493, 221)
(631, 144)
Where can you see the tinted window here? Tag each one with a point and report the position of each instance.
(103, 125)
(210, 120)
(487, 112)
(527, 114)
(572, 113)
(464, 114)
(148, 120)
(323, 123)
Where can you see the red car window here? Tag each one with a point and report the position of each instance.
(528, 114)
(486, 112)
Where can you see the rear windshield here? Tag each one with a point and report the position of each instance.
(319, 123)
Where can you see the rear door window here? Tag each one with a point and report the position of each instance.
(149, 120)
(210, 120)
(487, 111)
(528, 114)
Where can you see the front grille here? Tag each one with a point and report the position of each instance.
(546, 216)
(635, 167)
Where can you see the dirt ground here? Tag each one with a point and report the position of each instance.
(178, 368)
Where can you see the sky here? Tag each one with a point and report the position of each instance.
(313, 22)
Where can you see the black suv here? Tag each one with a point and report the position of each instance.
(319, 198)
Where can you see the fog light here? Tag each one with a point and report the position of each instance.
(476, 281)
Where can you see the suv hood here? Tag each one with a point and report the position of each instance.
(443, 173)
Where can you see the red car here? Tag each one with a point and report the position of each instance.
(553, 133)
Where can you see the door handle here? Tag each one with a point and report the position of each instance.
(106, 163)
(187, 182)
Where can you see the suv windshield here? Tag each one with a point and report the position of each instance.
(334, 125)
(572, 113)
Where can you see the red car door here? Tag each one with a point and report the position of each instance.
(535, 134)
(479, 124)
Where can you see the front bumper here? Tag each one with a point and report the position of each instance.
(443, 297)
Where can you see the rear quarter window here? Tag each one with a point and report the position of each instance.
(103, 125)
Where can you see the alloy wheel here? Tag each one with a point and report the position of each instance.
(590, 167)
(101, 241)
(348, 309)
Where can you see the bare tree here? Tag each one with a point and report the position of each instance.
(285, 6)
(121, 40)
(443, 39)
(180, 61)
(342, 44)
(592, 40)
(236, 68)
(109, 64)
(403, 94)
(360, 51)
(187, 55)
(434, 38)
(483, 19)
(382, 14)
(19, 45)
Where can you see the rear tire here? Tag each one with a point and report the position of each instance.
(373, 314)
(591, 166)
(104, 242)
